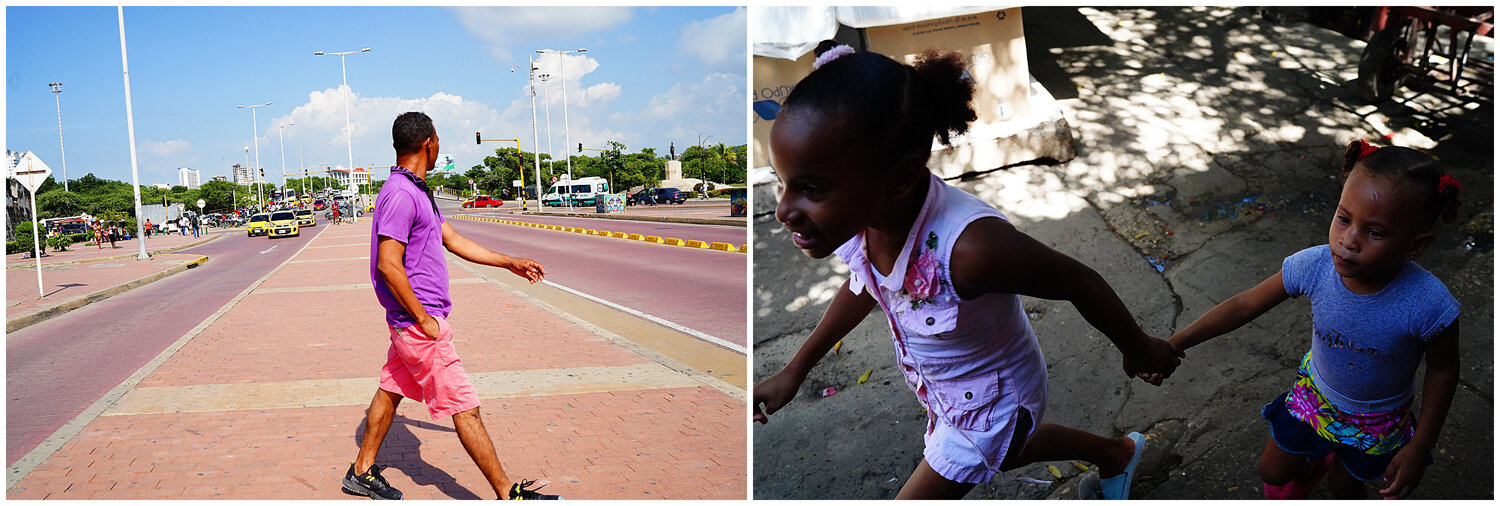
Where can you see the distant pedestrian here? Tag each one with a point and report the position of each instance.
(98, 231)
(148, 227)
(182, 224)
(197, 222)
(410, 276)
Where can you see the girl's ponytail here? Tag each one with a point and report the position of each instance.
(949, 91)
(1351, 157)
(1439, 189)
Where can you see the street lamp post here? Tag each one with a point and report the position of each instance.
(281, 137)
(567, 134)
(702, 169)
(57, 94)
(536, 159)
(255, 134)
(547, 102)
(349, 130)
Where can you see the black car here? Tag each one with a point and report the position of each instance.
(659, 196)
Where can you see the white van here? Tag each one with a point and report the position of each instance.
(582, 191)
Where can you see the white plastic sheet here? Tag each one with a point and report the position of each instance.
(790, 32)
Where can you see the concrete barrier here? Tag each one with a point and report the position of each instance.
(744, 248)
(694, 243)
(671, 241)
(721, 246)
(618, 235)
(636, 237)
(653, 239)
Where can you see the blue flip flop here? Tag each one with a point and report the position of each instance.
(1118, 487)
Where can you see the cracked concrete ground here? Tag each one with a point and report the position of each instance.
(1209, 142)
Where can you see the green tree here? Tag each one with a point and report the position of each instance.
(56, 203)
(218, 196)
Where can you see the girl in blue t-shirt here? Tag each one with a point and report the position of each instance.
(1376, 313)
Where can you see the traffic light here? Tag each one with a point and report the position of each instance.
(262, 173)
(476, 137)
(580, 147)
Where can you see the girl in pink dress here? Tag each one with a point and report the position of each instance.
(850, 147)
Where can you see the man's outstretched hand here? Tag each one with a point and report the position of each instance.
(529, 269)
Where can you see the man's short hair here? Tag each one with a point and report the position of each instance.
(409, 131)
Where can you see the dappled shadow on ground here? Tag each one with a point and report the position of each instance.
(1209, 146)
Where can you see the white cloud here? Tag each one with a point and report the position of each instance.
(714, 105)
(164, 149)
(718, 42)
(501, 28)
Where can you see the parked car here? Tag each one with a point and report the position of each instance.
(284, 224)
(482, 201)
(260, 224)
(305, 218)
(660, 196)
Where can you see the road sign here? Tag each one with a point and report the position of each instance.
(516, 183)
(200, 205)
(29, 171)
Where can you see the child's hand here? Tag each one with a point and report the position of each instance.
(774, 392)
(1404, 472)
(1154, 361)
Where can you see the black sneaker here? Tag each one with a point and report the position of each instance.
(370, 484)
(519, 492)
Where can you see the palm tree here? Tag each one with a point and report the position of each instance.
(721, 155)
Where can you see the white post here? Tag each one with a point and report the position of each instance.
(135, 178)
(547, 102)
(348, 134)
(57, 94)
(281, 137)
(535, 144)
(36, 247)
(567, 134)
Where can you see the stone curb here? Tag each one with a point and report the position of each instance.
(669, 241)
(660, 219)
(123, 257)
(24, 321)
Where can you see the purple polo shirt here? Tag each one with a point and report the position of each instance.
(403, 213)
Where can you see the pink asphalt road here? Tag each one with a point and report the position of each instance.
(701, 290)
(57, 368)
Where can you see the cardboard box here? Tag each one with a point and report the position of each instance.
(773, 79)
(995, 46)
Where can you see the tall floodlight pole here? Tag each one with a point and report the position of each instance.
(536, 159)
(547, 102)
(349, 130)
(281, 136)
(302, 169)
(135, 178)
(567, 134)
(57, 94)
(255, 135)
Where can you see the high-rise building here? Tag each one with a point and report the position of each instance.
(187, 177)
(242, 175)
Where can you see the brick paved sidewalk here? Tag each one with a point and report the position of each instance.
(89, 252)
(67, 283)
(268, 402)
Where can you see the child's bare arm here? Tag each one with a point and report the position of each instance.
(1406, 469)
(843, 314)
(1233, 313)
(992, 256)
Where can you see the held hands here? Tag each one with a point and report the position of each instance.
(528, 268)
(1405, 472)
(1153, 361)
(774, 392)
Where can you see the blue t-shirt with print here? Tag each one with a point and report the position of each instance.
(1365, 348)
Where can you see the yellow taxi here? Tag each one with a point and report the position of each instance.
(284, 224)
(259, 224)
(305, 218)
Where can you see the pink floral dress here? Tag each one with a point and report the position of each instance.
(974, 364)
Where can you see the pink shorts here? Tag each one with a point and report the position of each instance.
(428, 371)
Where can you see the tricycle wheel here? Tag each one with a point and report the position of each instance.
(1380, 66)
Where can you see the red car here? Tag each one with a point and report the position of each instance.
(483, 201)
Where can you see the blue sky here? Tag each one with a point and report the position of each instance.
(651, 76)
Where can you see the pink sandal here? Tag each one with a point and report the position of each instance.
(1294, 490)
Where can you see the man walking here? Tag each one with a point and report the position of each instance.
(410, 275)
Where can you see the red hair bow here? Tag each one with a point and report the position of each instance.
(1365, 149)
(1448, 181)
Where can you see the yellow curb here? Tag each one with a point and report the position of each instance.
(694, 243)
(580, 230)
(636, 237)
(721, 246)
(744, 248)
(618, 235)
(671, 241)
(592, 232)
(652, 239)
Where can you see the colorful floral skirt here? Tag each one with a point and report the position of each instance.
(1373, 433)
